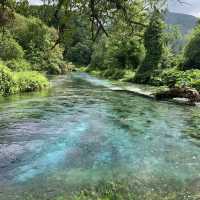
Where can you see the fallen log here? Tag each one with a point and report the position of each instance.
(179, 92)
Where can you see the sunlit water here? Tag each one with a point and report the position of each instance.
(80, 132)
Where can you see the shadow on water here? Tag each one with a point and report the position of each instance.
(80, 135)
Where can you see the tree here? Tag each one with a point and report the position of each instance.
(153, 42)
(22, 7)
(101, 12)
(192, 51)
(6, 13)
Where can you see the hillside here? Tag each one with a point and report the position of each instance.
(184, 21)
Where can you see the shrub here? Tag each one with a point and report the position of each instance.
(18, 65)
(196, 84)
(171, 76)
(10, 49)
(128, 75)
(114, 73)
(175, 77)
(54, 61)
(7, 83)
(30, 81)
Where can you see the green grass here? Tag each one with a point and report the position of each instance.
(18, 82)
(30, 81)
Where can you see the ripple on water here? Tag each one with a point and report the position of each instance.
(82, 133)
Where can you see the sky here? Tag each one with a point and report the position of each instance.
(191, 7)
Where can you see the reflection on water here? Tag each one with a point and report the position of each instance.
(79, 132)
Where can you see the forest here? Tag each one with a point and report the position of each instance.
(70, 128)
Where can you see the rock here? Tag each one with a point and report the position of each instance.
(180, 92)
(181, 100)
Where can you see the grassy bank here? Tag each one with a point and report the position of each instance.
(169, 77)
(18, 82)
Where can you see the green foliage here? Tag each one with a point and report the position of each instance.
(10, 49)
(128, 76)
(174, 77)
(7, 82)
(22, 7)
(80, 54)
(192, 51)
(30, 81)
(124, 48)
(77, 41)
(11, 83)
(37, 40)
(153, 42)
(6, 13)
(127, 53)
(113, 73)
(98, 55)
(32, 33)
(117, 54)
(173, 39)
(18, 65)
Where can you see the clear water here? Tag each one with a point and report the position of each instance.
(80, 132)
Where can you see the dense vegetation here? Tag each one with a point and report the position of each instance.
(26, 53)
(131, 44)
(152, 57)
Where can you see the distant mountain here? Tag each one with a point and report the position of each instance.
(184, 21)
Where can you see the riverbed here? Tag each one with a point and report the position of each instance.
(80, 132)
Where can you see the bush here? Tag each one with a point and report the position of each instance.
(18, 65)
(30, 81)
(7, 83)
(54, 61)
(114, 73)
(196, 84)
(175, 77)
(10, 49)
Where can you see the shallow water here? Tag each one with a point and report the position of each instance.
(80, 132)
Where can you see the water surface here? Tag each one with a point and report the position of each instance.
(81, 133)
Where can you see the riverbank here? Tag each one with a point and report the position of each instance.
(148, 91)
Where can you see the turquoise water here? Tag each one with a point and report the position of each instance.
(80, 133)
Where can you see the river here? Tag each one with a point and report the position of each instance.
(79, 132)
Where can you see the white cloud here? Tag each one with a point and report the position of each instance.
(35, 2)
